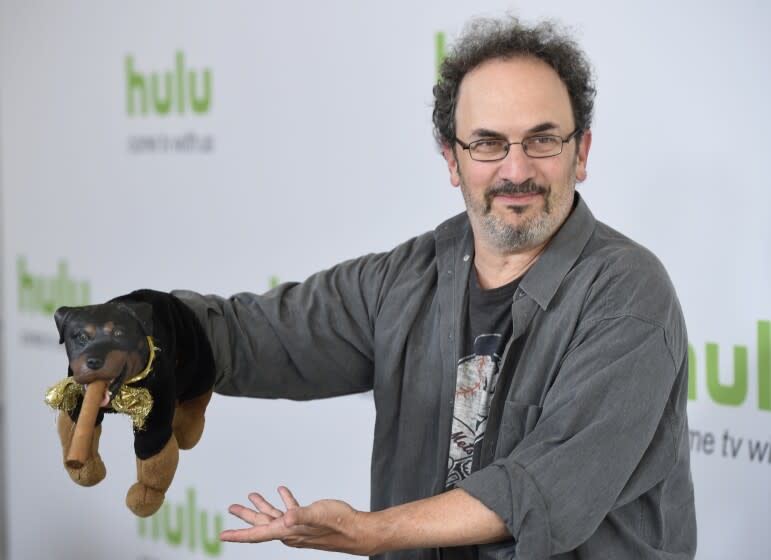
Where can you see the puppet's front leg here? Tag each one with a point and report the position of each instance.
(154, 476)
(93, 470)
(189, 420)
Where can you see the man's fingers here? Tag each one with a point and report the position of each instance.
(286, 496)
(260, 533)
(264, 506)
(265, 528)
(293, 527)
(231, 535)
(249, 515)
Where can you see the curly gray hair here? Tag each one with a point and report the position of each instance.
(486, 39)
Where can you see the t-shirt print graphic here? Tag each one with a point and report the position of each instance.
(476, 379)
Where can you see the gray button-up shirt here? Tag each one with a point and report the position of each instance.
(586, 451)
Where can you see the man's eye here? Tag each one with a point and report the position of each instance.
(487, 145)
(117, 332)
(542, 141)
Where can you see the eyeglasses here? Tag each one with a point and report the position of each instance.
(496, 149)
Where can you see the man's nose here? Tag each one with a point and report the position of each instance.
(517, 166)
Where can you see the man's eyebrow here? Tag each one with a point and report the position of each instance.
(487, 133)
(543, 127)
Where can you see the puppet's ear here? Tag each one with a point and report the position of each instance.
(143, 313)
(60, 316)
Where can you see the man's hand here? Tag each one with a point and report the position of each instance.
(324, 525)
(452, 518)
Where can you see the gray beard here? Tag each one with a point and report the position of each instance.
(508, 238)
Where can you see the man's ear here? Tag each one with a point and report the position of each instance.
(452, 164)
(60, 316)
(583, 155)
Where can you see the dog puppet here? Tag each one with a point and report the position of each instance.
(145, 355)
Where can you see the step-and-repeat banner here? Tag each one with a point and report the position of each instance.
(227, 146)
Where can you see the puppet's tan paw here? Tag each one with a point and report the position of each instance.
(154, 477)
(92, 472)
(144, 501)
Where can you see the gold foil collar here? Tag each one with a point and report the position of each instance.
(65, 394)
(134, 401)
(149, 367)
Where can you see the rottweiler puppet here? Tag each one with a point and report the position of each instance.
(146, 355)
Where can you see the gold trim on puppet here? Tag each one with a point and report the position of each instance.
(133, 401)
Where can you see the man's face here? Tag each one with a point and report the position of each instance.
(517, 203)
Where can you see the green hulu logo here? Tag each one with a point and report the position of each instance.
(183, 523)
(735, 393)
(439, 52)
(177, 89)
(45, 294)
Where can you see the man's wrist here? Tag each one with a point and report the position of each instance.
(375, 529)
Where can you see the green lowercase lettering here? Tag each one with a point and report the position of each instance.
(184, 524)
(161, 92)
(734, 393)
(37, 293)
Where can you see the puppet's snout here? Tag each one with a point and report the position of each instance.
(94, 366)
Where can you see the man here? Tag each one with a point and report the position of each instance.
(529, 364)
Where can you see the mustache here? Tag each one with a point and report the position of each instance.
(507, 187)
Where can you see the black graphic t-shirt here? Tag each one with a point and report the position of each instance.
(488, 327)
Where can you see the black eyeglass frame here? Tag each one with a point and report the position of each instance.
(522, 143)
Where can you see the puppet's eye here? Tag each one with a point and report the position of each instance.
(82, 338)
(117, 332)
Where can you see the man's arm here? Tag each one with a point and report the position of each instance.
(308, 340)
(453, 518)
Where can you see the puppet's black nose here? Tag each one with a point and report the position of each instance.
(94, 363)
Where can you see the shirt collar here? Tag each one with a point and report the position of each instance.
(544, 278)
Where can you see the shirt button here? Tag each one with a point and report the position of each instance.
(466, 258)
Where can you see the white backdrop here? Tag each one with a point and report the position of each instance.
(313, 145)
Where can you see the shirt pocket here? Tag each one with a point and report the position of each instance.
(518, 420)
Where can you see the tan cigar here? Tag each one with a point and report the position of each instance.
(80, 446)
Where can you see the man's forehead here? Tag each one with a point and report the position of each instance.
(513, 95)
